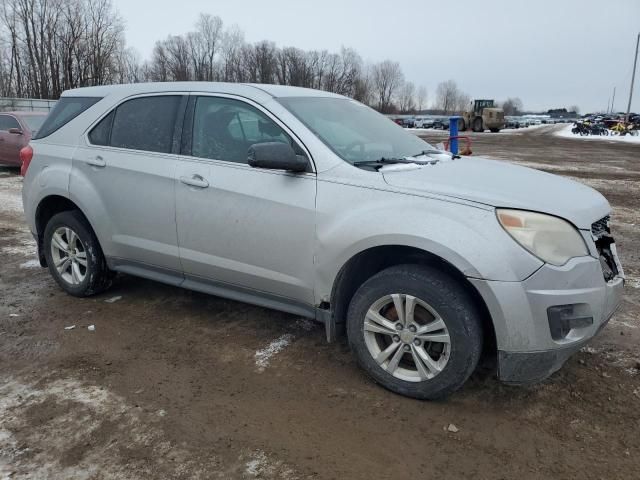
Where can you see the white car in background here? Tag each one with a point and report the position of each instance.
(423, 122)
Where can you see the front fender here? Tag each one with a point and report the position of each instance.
(353, 218)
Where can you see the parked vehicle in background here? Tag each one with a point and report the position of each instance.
(441, 123)
(512, 123)
(423, 122)
(314, 204)
(484, 115)
(408, 122)
(16, 130)
(622, 129)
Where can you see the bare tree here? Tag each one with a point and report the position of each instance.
(47, 46)
(463, 102)
(406, 98)
(512, 106)
(54, 45)
(363, 87)
(447, 94)
(231, 45)
(387, 78)
(208, 37)
(421, 98)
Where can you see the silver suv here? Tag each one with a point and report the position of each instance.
(314, 204)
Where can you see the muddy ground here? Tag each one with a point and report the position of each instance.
(175, 384)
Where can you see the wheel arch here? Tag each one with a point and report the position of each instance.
(46, 209)
(363, 265)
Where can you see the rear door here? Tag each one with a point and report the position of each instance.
(10, 143)
(239, 226)
(125, 176)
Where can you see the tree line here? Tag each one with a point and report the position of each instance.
(48, 46)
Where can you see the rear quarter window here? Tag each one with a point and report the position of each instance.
(65, 110)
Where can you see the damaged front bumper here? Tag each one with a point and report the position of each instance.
(543, 320)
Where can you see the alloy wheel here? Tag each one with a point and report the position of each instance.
(69, 255)
(407, 337)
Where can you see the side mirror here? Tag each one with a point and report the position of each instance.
(276, 156)
(15, 131)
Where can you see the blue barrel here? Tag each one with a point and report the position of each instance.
(453, 132)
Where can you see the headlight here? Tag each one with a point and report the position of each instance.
(549, 238)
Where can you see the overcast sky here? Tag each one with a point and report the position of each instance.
(548, 53)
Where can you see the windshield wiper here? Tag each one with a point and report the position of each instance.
(377, 164)
(426, 152)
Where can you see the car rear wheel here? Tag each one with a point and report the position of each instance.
(416, 331)
(74, 256)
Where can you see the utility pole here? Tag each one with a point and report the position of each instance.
(633, 78)
(613, 101)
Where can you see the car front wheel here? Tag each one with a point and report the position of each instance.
(74, 256)
(416, 331)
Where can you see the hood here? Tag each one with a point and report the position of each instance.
(501, 184)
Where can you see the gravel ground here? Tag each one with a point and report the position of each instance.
(175, 384)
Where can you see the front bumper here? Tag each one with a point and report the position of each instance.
(527, 352)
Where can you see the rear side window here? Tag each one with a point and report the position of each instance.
(145, 123)
(7, 122)
(65, 110)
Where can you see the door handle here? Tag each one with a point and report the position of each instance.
(195, 181)
(96, 162)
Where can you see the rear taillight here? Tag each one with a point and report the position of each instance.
(26, 154)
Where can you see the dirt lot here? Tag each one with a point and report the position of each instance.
(175, 384)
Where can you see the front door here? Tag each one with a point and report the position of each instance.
(240, 226)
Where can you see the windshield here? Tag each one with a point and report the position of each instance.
(34, 122)
(355, 132)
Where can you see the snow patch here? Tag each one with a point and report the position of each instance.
(10, 194)
(263, 356)
(80, 412)
(24, 247)
(617, 358)
(259, 465)
(622, 324)
(35, 263)
(633, 282)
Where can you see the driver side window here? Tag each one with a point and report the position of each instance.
(224, 129)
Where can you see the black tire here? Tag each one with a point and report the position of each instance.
(477, 125)
(495, 130)
(97, 276)
(449, 299)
